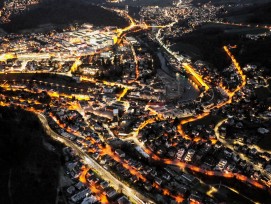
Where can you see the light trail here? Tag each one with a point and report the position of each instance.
(122, 94)
(7, 56)
(88, 79)
(191, 70)
(75, 65)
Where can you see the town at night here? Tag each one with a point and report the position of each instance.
(135, 101)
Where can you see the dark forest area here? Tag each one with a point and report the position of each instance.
(29, 172)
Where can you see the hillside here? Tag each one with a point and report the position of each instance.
(61, 13)
(206, 42)
(256, 14)
(145, 3)
(222, 2)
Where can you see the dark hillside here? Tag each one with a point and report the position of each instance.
(258, 14)
(64, 12)
(29, 172)
(210, 43)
